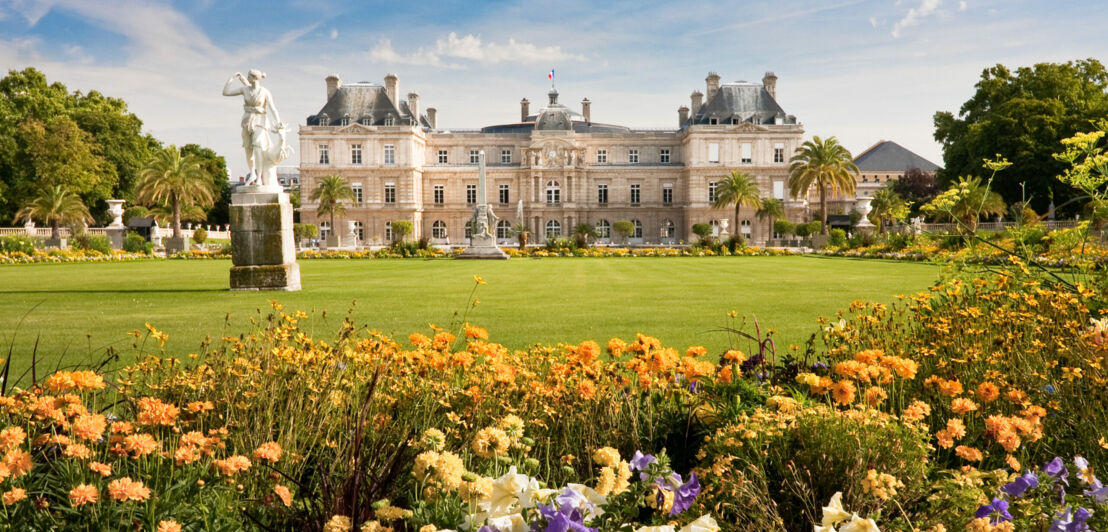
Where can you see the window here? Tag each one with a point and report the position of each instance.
(345, 121)
(779, 152)
(503, 229)
(601, 156)
(471, 194)
(365, 121)
(324, 120)
(390, 154)
(553, 229)
(388, 231)
(603, 229)
(324, 155)
(474, 156)
(505, 156)
(390, 192)
(357, 188)
(746, 156)
(504, 199)
(359, 229)
(636, 194)
(744, 227)
(442, 157)
(553, 193)
(663, 155)
(440, 194)
(779, 190)
(633, 156)
(669, 230)
(438, 229)
(713, 153)
(637, 233)
(865, 179)
(355, 154)
(713, 121)
(712, 187)
(324, 230)
(602, 194)
(667, 193)
(388, 121)
(734, 121)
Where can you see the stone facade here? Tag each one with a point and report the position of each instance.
(555, 166)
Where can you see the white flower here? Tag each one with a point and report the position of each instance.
(665, 528)
(505, 492)
(857, 524)
(818, 528)
(833, 513)
(704, 523)
(591, 503)
(508, 523)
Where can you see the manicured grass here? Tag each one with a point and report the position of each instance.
(75, 311)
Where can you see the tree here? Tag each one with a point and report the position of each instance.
(1023, 115)
(331, 191)
(624, 229)
(917, 188)
(702, 230)
(58, 152)
(772, 209)
(400, 229)
(887, 206)
(174, 180)
(582, 233)
(215, 167)
(55, 206)
(965, 202)
(737, 189)
(825, 164)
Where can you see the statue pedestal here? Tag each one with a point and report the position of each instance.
(263, 253)
(115, 236)
(483, 247)
(174, 245)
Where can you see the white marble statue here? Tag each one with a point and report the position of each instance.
(259, 116)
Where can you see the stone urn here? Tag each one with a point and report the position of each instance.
(863, 206)
(115, 208)
(351, 233)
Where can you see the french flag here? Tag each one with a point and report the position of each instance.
(550, 75)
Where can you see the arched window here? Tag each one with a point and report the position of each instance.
(745, 227)
(638, 229)
(438, 229)
(359, 229)
(324, 120)
(388, 231)
(669, 230)
(469, 229)
(324, 230)
(503, 229)
(553, 193)
(603, 229)
(553, 229)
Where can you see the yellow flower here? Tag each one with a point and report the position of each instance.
(479, 280)
(83, 494)
(490, 441)
(433, 440)
(168, 526)
(338, 523)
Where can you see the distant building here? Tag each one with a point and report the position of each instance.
(551, 169)
(288, 177)
(884, 162)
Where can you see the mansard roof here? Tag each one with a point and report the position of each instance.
(364, 100)
(887, 155)
(748, 102)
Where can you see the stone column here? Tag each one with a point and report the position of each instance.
(263, 254)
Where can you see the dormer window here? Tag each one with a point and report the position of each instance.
(365, 121)
(713, 121)
(345, 121)
(324, 120)
(734, 121)
(388, 121)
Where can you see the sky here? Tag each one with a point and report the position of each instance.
(861, 70)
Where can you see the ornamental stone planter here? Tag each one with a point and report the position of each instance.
(175, 245)
(819, 241)
(58, 243)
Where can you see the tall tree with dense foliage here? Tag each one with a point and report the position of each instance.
(215, 166)
(887, 207)
(772, 209)
(174, 180)
(55, 206)
(737, 189)
(917, 188)
(58, 152)
(1023, 115)
(329, 196)
(825, 164)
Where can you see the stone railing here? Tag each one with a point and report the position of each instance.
(44, 232)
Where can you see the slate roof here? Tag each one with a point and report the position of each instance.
(364, 100)
(888, 155)
(748, 102)
(555, 116)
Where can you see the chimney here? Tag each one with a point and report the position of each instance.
(712, 82)
(392, 88)
(682, 116)
(696, 99)
(432, 117)
(586, 110)
(769, 81)
(413, 107)
(333, 85)
(524, 109)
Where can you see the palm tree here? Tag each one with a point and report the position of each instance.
(772, 209)
(887, 205)
(975, 201)
(737, 189)
(582, 233)
(55, 206)
(330, 193)
(825, 164)
(174, 180)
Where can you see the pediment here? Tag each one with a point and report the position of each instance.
(355, 127)
(747, 127)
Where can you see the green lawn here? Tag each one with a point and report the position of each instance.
(76, 310)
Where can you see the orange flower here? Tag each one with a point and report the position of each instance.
(77, 450)
(944, 439)
(968, 453)
(232, 464)
(869, 356)
(733, 356)
(122, 427)
(586, 389)
(125, 489)
(13, 496)
(475, 332)
(955, 428)
(950, 388)
(268, 451)
(11, 438)
(962, 405)
(18, 462)
(843, 392)
(105, 470)
(140, 444)
(153, 411)
(83, 494)
(876, 395)
(1017, 396)
(988, 392)
(185, 455)
(1013, 463)
(916, 411)
(696, 351)
(201, 406)
(284, 494)
(168, 526)
(89, 426)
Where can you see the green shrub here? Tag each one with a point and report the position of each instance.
(1067, 240)
(401, 229)
(802, 230)
(305, 231)
(702, 230)
(406, 248)
(1028, 237)
(814, 227)
(624, 228)
(87, 242)
(899, 241)
(135, 243)
(21, 244)
(784, 227)
(199, 235)
(837, 238)
(735, 242)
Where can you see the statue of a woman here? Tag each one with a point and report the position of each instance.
(258, 112)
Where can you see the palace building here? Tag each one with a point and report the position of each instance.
(551, 169)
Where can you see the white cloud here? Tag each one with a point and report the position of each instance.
(875, 22)
(334, 34)
(471, 48)
(925, 9)
(962, 6)
(32, 10)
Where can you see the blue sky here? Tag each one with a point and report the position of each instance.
(862, 70)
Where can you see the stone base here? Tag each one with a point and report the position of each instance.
(115, 237)
(174, 246)
(819, 241)
(483, 248)
(284, 277)
(332, 241)
(59, 243)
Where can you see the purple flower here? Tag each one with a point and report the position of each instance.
(1098, 492)
(562, 519)
(1070, 521)
(639, 462)
(683, 496)
(1056, 468)
(816, 366)
(1018, 487)
(999, 508)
